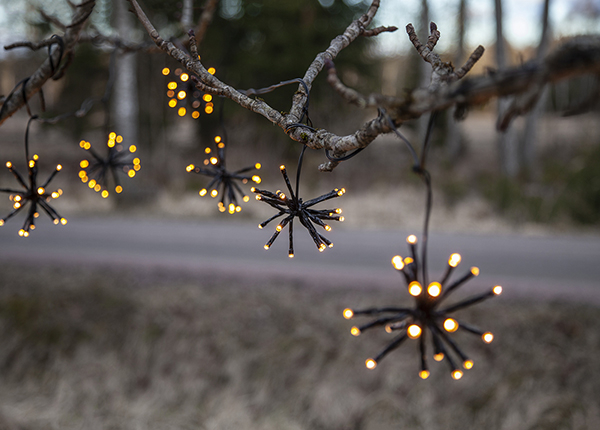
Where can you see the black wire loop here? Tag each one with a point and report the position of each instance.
(31, 119)
(21, 84)
(298, 124)
(86, 105)
(344, 158)
(24, 93)
(56, 40)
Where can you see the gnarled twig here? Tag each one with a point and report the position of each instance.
(47, 70)
(581, 55)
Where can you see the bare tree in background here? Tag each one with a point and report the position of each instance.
(446, 88)
(187, 14)
(424, 70)
(454, 143)
(586, 12)
(528, 143)
(507, 140)
(125, 97)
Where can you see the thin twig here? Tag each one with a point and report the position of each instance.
(52, 20)
(31, 45)
(376, 31)
(580, 56)
(46, 71)
(473, 58)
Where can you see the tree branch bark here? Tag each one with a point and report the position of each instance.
(36, 81)
(314, 139)
(578, 56)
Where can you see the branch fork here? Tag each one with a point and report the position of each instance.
(447, 87)
(36, 81)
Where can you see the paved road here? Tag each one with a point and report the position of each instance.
(557, 267)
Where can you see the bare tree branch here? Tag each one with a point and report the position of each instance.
(473, 58)
(314, 139)
(79, 19)
(46, 70)
(520, 105)
(376, 31)
(97, 38)
(527, 101)
(52, 20)
(578, 56)
(64, 66)
(118, 42)
(442, 72)
(352, 96)
(354, 30)
(590, 102)
(31, 45)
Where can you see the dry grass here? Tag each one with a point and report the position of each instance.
(106, 350)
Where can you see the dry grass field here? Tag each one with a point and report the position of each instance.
(85, 348)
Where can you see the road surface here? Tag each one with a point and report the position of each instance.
(565, 267)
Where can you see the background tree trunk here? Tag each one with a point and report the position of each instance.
(424, 68)
(125, 120)
(187, 14)
(528, 145)
(125, 94)
(454, 139)
(507, 141)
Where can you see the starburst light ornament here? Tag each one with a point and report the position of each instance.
(427, 315)
(95, 172)
(33, 194)
(292, 206)
(184, 97)
(215, 167)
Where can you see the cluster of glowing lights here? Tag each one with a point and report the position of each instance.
(37, 196)
(96, 171)
(427, 317)
(223, 182)
(184, 97)
(293, 206)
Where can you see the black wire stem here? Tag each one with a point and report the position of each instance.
(425, 316)
(292, 206)
(33, 194)
(223, 179)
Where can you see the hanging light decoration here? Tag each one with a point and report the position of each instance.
(33, 194)
(427, 317)
(291, 206)
(184, 97)
(223, 181)
(96, 171)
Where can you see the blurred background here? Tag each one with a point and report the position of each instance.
(540, 171)
(122, 319)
